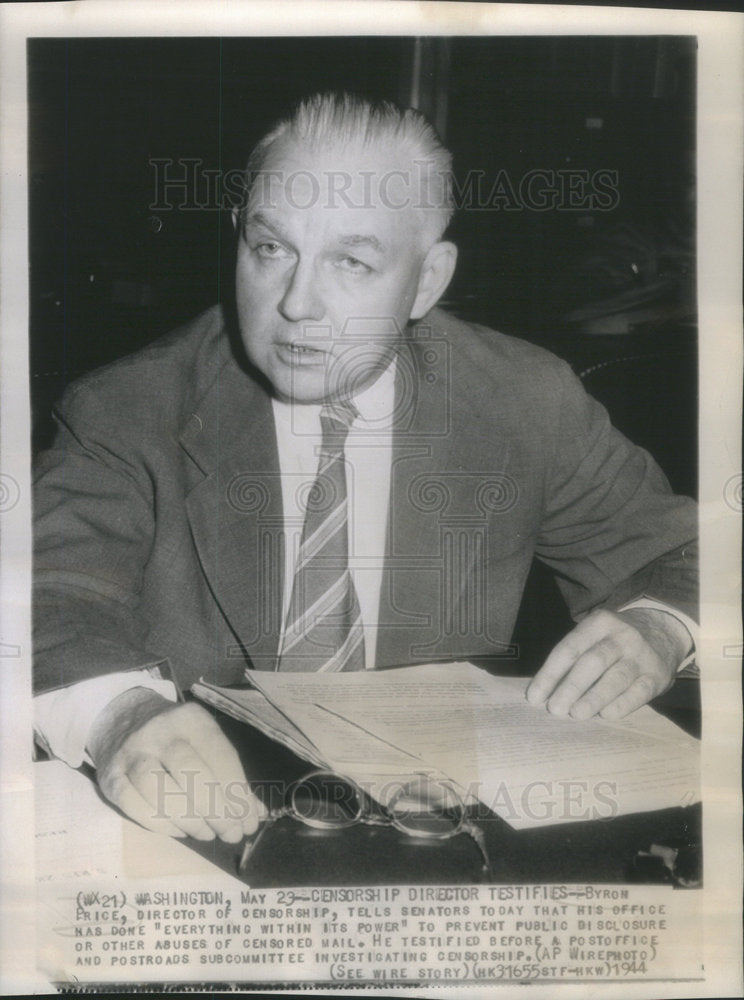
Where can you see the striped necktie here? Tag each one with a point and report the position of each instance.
(323, 630)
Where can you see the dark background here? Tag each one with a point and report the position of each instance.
(112, 267)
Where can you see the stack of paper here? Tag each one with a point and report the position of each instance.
(457, 721)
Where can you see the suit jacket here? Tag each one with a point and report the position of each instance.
(159, 517)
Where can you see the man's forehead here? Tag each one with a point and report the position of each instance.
(361, 195)
(336, 176)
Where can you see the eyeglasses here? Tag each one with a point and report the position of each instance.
(420, 807)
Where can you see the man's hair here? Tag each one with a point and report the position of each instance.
(326, 119)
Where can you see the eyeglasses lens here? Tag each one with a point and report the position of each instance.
(426, 808)
(324, 800)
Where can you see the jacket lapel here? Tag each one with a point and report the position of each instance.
(438, 598)
(235, 511)
(411, 594)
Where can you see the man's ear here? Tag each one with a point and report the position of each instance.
(436, 274)
(235, 215)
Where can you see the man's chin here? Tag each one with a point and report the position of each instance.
(304, 389)
(316, 383)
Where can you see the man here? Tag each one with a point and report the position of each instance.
(343, 478)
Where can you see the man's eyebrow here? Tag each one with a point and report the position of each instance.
(259, 219)
(347, 240)
(362, 240)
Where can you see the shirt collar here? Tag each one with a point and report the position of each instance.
(375, 405)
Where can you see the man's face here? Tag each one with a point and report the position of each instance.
(326, 280)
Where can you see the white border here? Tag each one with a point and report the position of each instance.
(720, 143)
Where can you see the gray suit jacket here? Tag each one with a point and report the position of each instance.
(158, 509)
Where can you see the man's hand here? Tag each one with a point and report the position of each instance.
(171, 768)
(611, 664)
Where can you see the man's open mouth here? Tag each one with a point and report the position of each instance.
(304, 353)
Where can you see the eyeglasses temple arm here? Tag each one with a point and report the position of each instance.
(252, 843)
(477, 834)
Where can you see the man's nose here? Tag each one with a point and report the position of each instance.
(301, 299)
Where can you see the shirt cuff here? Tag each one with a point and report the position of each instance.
(63, 718)
(688, 664)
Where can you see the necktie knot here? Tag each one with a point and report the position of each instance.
(335, 420)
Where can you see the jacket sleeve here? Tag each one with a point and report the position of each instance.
(612, 530)
(93, 529)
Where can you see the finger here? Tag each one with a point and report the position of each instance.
(585, 672)
(165, 797)
(614, 683)
(218, 752)
(563, 656)
(131, 802)
(254, 812)
(117, 788)
(202, 789)
(203, 761)
(642, 690)
(224, 763)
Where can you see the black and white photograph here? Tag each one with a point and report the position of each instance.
(364, 465)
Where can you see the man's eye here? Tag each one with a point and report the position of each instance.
(353, 265)
(270, 250)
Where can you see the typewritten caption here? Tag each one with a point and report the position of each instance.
(404, 934)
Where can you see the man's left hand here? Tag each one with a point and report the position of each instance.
(611, 664)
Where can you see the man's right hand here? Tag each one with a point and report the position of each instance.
(172, 769)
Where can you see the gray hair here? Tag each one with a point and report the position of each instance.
(324, 119)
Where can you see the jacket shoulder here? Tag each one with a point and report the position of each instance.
(170, 374)
(497, 362)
